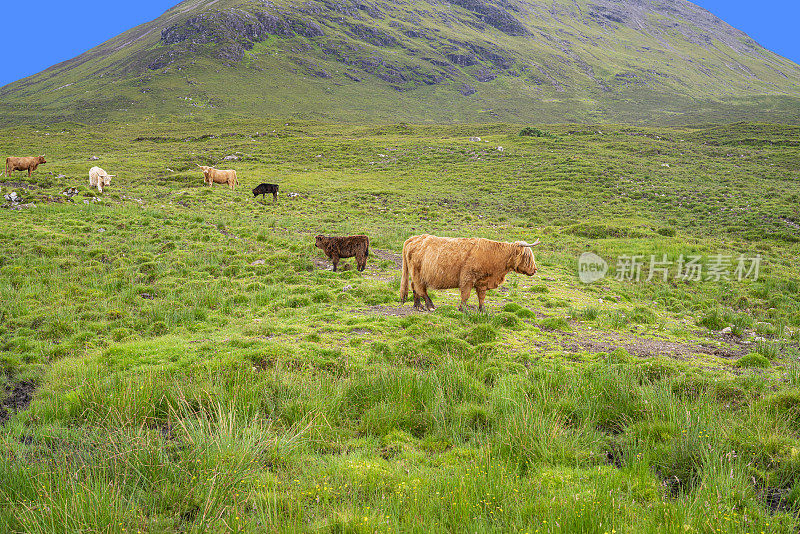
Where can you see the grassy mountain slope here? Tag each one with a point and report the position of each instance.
(418, 61)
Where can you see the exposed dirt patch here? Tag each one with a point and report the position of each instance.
(319, 263)
(167, 431)
(55, 200)
(614, 456)
(389, 256)
(776, 499)
(344, 264)
(397, 259)
(361, 331)
(674, 486)
(383, 309)
(19, 185)
(224, 231)
(647, 347)
(17, 399)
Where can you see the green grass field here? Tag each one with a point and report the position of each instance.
(195, 367)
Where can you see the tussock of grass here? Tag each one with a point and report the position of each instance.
(752, 360)
(554, 323)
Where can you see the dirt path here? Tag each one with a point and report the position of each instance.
(17, 399)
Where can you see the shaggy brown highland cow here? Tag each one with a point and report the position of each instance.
(345, 247)
(431, 262)
(27, 163)
(213, 176)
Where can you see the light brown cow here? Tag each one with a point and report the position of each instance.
(431, 262)
(213, 176)
(26, 163)
(99, 178)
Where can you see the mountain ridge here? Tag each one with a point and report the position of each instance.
(432, 61)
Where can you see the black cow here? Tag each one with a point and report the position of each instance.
(263, 189)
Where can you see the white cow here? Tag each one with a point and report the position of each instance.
(98, 177)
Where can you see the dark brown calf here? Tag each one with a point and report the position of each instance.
(27, 163)
(263, 189)
(345, 247)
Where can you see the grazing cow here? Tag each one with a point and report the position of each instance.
(213, 176)
(99, 178)
(27, 163)
(431, 262)
(345, 247)
(263, 189)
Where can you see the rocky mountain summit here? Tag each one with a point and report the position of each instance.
(437, 60)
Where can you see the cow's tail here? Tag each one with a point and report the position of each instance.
(404, 279)
(8, 164)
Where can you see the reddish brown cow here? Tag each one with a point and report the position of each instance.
(26, 163)
(431, 262)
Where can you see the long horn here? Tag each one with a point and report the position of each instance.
(524, 244)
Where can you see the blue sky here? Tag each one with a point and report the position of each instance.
(55, 31)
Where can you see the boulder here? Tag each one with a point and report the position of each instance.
(466, 89)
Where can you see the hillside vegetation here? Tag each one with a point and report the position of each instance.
(195, 367)
(448, 61)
